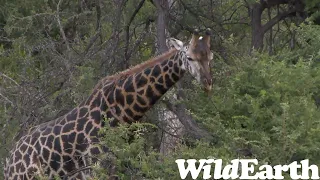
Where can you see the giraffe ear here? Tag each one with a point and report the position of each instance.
(174, 43)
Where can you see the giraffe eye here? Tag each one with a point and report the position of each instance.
(189, 58)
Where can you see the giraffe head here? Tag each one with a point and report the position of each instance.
(197, 57)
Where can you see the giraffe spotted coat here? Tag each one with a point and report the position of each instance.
(64, 146)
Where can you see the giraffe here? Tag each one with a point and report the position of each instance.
(63, 146)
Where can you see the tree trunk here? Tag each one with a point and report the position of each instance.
(257, 34)
(172, 129)
(162, 11)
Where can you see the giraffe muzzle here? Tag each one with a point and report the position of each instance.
(207, 85)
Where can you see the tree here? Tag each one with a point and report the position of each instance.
(294, 8)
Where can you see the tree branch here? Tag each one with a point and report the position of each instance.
(271, 3)
(60, 26)
(98, 25)
(276, 19)
(162, 10)
(98, 9)
(7, 99)
(142, 36)
(127, 29)
(4, 75)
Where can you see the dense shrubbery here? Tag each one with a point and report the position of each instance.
(265, 109)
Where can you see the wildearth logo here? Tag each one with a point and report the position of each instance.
(245, 169)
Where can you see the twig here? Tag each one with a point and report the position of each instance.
(5, 98)
(142, 36)
(276, 19)
(92, 40)
(126, 51)
(1, 74)
(60, 26)
(98, 27)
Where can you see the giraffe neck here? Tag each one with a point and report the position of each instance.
(128, 97)
(72, 138)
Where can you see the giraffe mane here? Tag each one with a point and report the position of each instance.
(138, 68)
(149, 63)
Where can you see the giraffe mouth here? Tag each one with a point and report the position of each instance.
(207, 89)
(207, 86)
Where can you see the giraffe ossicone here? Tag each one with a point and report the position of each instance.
(66, 145)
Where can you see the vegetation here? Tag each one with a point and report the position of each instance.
(265, 99)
